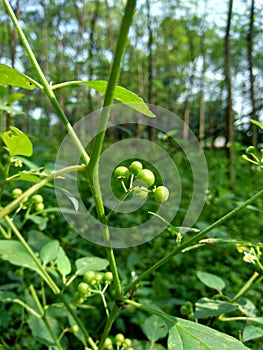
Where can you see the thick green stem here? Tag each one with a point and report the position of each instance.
(93, 169)
(113, 315)
(192, 241)
(46, 86)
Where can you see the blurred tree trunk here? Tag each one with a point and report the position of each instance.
(13, 43)
(229, 106)
(250, 38)
(150, 61)
(201, 132)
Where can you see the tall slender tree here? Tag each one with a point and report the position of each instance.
(229, 106)
(250, 38)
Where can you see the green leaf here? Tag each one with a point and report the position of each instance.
(40, 221)
(208, 308)
(14, 97)
(15, 253)
(49, 252)
(63, 263)
(37, 239)
(90, 264)
(252, 332)
(146, 345)
(10, 110)
(10, 76)
(211, 280)
(185, 335)
(122, 95)
(17, 142)
(154, 328)
(260, 125)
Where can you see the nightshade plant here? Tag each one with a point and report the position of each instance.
(73, 290)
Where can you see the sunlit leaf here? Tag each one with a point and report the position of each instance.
(260, 125)
(10, 76)
(17, 142)
(122, 95)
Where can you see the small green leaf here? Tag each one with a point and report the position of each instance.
(10, 76)
(260, 125)
(208, 308)
(17, 142)
(49, 252)
(211, 280)
(14, 97)
(90, 264)
(15, 253)
(122, 95)
(185, 335)
(40, 221)
(63, 263)
(154, 328)
(252, 332)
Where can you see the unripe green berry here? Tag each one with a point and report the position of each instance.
(74, 329)
(16, 192)
(39, 207)
(99, 277)
(108, 277)
(147, 176)
(108, 344)
(121, 172)
(135, 167)
(161, 194)
(83, 288)
(77, 299)
(127, 342)
(37, 198)
(89, 277)
(119, 338)
(140, 192)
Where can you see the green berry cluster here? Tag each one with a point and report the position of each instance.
(36, 200)
(92, 282)
(136, 171)
(120, 341)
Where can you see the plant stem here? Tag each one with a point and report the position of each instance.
(43, 317)
(192, 240)
(93, 168)
(245, 288)
(11, 206)
(42, 270)
(112, 317)
(78, 321)
(46, 86)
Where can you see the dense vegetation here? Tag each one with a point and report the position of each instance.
(187, 287)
